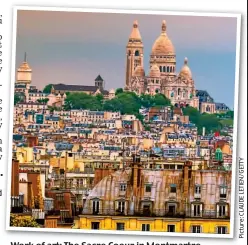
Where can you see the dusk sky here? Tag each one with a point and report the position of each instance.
(73, 48)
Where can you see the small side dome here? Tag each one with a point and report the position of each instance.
(139, 71)
(185, 71)
(154, 71)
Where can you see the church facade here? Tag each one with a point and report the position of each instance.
(162, 76)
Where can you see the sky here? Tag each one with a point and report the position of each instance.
(75, 47)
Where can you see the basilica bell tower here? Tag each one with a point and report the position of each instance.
(134, 53)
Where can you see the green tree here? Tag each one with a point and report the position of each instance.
(193, 113)
(22, 221)
(100, 98)
(210, 122)
(230, 114)
(43, 101)
(126, 103)
(118, 91)
(82, 101)
(161, 100)
(140, 117)
(18, 98)
(47, 89)
(146, 100)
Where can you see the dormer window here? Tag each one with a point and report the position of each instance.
(222, 210)
(148, 188)
(123, 187)
(223, 192)
(121, 206)
(197, 189)
(173, 188)
(96, 206)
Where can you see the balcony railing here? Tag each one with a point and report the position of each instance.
(17, 204)
(205, 214)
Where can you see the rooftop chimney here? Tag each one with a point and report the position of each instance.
(15, 178)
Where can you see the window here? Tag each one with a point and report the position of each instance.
(196, 210)
(173, 188)
(120, 226)
(222, 210)
(64, 215)
(136, 53)
(197, 189)
(172, 209)
(171, 228)
(145, 227)
(148, 188)
(147, 210)
(196, 229)
(60, 197)
(222, 230)
(96, 206)
(223, 192)
(95, 225)
(121, 206)
(123, 187)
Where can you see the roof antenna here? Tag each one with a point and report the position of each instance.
(25, 57)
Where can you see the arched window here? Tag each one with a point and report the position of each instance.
(179, 91)
(161, 69)
(157, 91)
(171, 69)
(168, 69)
(164, 69)
(137, 53)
